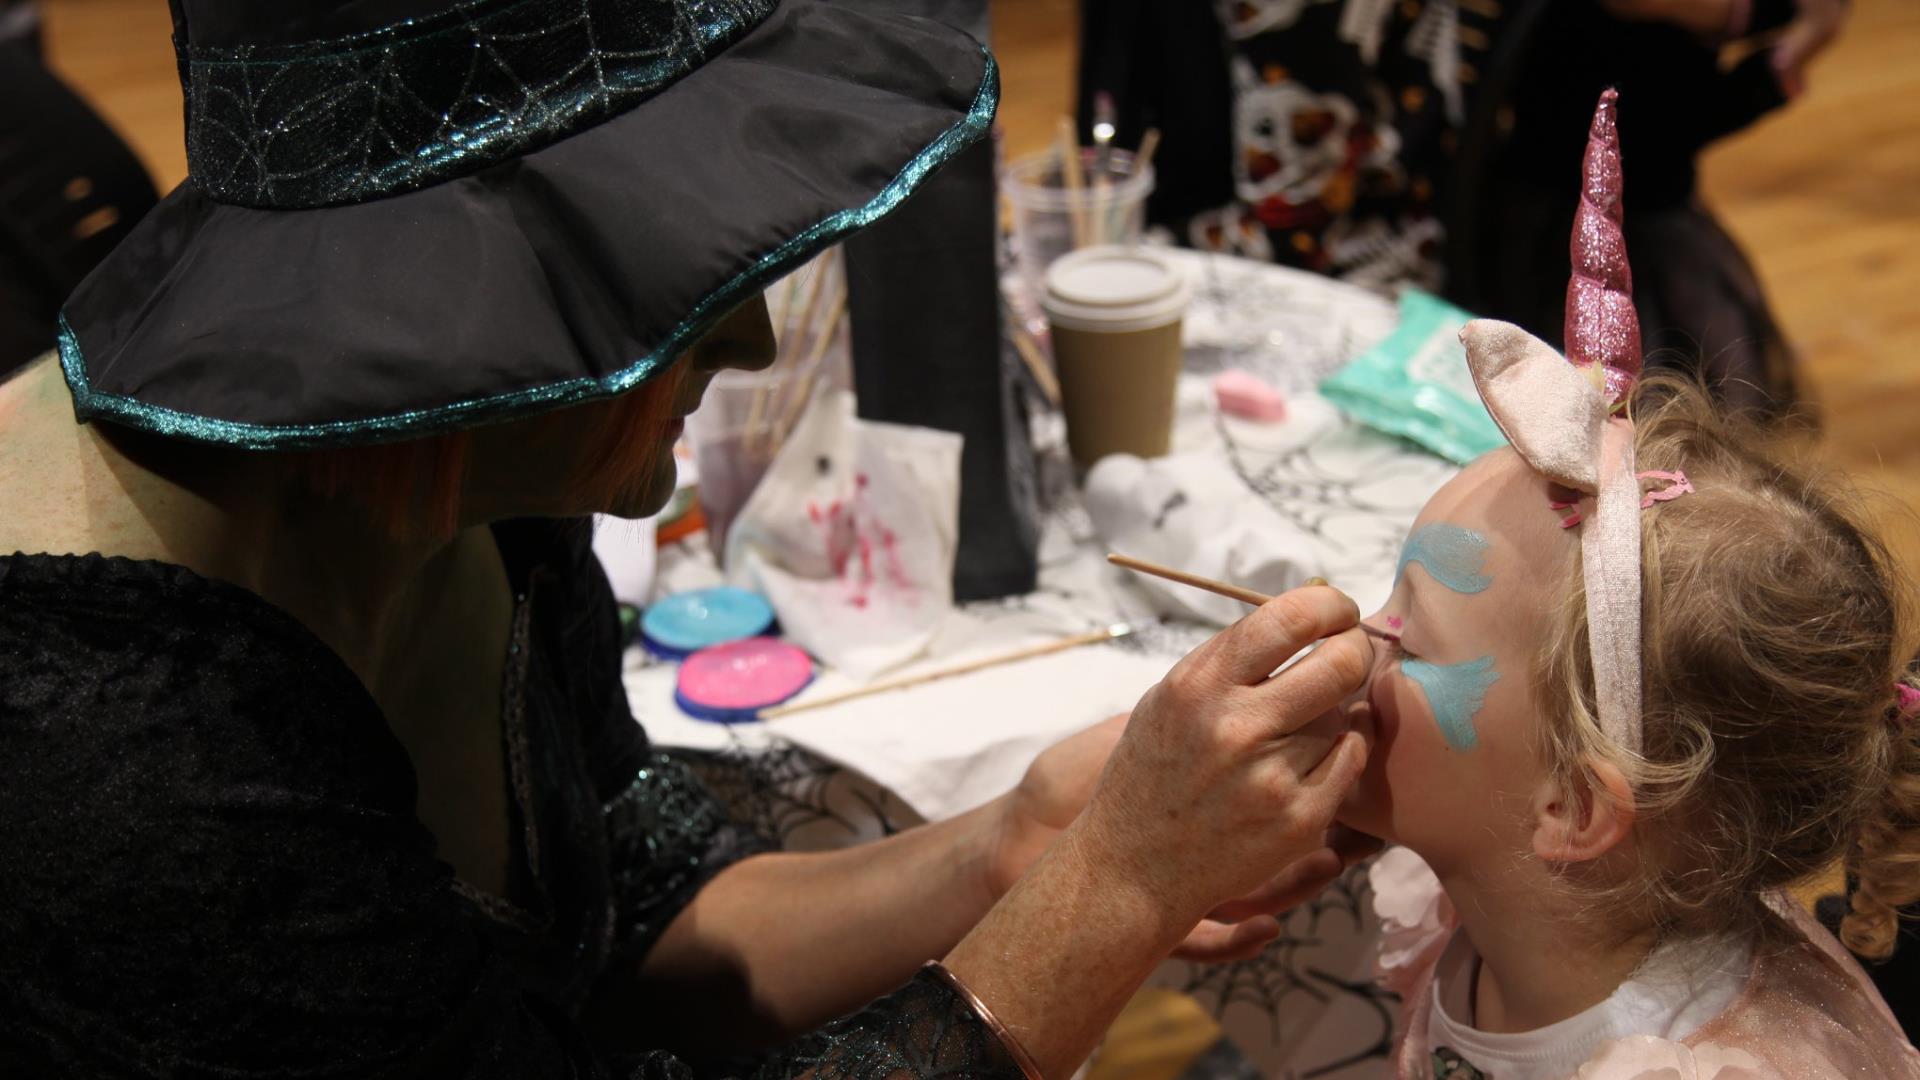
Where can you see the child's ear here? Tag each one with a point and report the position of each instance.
(1587, 822)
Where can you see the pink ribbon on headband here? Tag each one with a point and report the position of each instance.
(1677, 485)
(1559, 414)
(1907, 703)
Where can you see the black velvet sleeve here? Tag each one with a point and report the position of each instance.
(210, 866)
(666, 833)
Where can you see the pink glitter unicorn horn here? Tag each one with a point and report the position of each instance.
(1565, 418)
(1603, 330)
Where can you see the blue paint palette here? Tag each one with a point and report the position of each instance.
(687, 622)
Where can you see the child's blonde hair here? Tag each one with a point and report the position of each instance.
(1774, 627)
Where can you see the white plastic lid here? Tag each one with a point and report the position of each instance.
(1115, 289)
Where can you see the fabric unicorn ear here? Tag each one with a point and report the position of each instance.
(1557, 414)
(1548, 410)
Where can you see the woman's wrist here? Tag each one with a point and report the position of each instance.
(1059, 955)
(982, 851)
(1000, 844)
(1131, 879)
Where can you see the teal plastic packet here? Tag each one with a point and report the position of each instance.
(1415, 384)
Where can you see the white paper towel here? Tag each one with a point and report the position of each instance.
(1191, 512)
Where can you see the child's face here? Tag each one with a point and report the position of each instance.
(1457, 759)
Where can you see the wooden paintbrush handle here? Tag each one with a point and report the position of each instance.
(1043, 649)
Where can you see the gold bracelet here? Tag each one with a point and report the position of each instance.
(1014, 1050)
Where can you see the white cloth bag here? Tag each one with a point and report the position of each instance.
(852, 536)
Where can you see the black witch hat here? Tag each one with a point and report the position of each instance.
(409, 216)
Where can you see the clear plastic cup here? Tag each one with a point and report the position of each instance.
(1050, 219)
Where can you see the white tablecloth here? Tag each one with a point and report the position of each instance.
(1306, 1006)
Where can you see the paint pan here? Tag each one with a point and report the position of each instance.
(730, 684)
(685, 623)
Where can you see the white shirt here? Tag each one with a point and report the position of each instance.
(1680, 987)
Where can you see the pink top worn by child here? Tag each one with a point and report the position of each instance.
(1713, 1010)
(1649, 674)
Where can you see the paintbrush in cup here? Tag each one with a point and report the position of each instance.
(1245, 596)
(1073, 177)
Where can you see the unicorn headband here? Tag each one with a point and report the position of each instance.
(1566, 417)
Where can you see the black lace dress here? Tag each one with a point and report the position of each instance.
(210, 864)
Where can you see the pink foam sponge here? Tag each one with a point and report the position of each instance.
(1249, 397)
(731, 683)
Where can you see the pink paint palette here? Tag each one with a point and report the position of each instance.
(731, 683)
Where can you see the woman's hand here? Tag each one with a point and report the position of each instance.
(1224, 776)
(1710, 19)
(1056, 788)
(1813, 28)
(1240, 928)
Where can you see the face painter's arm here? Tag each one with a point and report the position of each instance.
(1223, 776)
(852, 924)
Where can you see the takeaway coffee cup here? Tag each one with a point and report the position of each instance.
(1115, 315)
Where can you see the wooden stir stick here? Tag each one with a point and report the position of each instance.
(1245, 596)
(1117, 630)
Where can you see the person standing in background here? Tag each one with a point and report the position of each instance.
(70, 189)
(1689, 72)
(1345, 137)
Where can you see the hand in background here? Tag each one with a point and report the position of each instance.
(1706, 18)
(1807, 36)
(1814, 27)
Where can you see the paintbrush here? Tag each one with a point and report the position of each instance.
(1030, 355)
(1073, 175)
(1142, 161)
(1103, 129)
(1245, 596)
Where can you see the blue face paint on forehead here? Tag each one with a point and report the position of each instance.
(1453, 556)
(1455, 693)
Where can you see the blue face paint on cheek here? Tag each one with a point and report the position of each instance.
(1452, 555)
(1455, 693)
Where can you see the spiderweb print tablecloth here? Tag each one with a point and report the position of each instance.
(1306, 1006)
